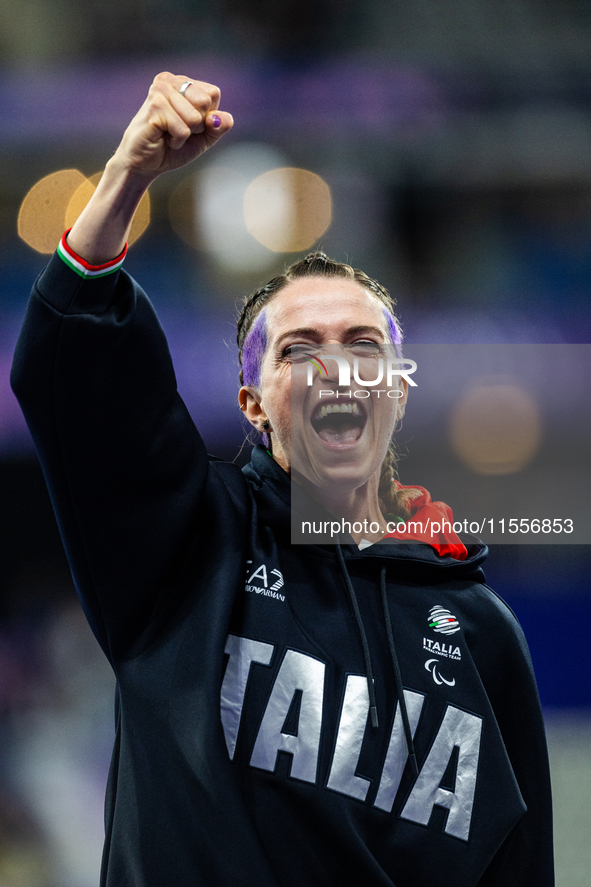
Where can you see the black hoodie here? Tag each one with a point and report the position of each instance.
(244, 754)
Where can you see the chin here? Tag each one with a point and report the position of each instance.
(335, 469)
(340, 445)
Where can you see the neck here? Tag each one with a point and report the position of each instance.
(359, 506)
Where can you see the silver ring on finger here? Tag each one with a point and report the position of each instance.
(185, 86)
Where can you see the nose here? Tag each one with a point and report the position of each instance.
(338, 364)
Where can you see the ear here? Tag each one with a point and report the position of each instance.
(402, 400)
(249, 399)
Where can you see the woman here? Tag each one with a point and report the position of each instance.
(286, 714)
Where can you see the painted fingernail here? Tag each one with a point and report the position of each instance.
(216, 121)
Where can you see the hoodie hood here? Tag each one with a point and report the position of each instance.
(283, 505)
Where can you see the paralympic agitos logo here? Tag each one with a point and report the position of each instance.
(389, 369)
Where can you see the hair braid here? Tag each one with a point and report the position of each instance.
(393, 501)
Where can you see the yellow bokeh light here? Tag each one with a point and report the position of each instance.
(80, 198)
(495, 428)
(54, 203)
(41, 218)
(248, 209)
(84, 192)
(287, 209)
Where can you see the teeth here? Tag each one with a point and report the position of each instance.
(352, 408)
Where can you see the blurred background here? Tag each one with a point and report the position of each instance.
(444, 147)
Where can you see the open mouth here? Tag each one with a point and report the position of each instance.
(339, 424)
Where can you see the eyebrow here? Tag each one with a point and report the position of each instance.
(313, 332)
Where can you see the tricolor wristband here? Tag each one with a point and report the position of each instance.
(82, 267)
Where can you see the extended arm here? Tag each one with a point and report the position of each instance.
(123, 461)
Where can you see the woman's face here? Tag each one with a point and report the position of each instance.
(311, 437)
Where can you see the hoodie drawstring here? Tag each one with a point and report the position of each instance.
(373, 709)
(397, 676)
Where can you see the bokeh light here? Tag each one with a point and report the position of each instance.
(247, 206)
(495, 428)
(80, 198)
(41, 218)
(288, 209)
(54, 203)
(84, 192)
(206, 210)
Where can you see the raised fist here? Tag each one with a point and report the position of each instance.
(179, 120)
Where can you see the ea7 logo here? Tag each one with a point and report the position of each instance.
(263, 583)
(260, 574)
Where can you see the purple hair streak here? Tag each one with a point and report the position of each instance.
(394, 330)
(253, 351)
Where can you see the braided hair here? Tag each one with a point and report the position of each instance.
(252, 342)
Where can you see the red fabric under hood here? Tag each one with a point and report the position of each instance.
(430, 522)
